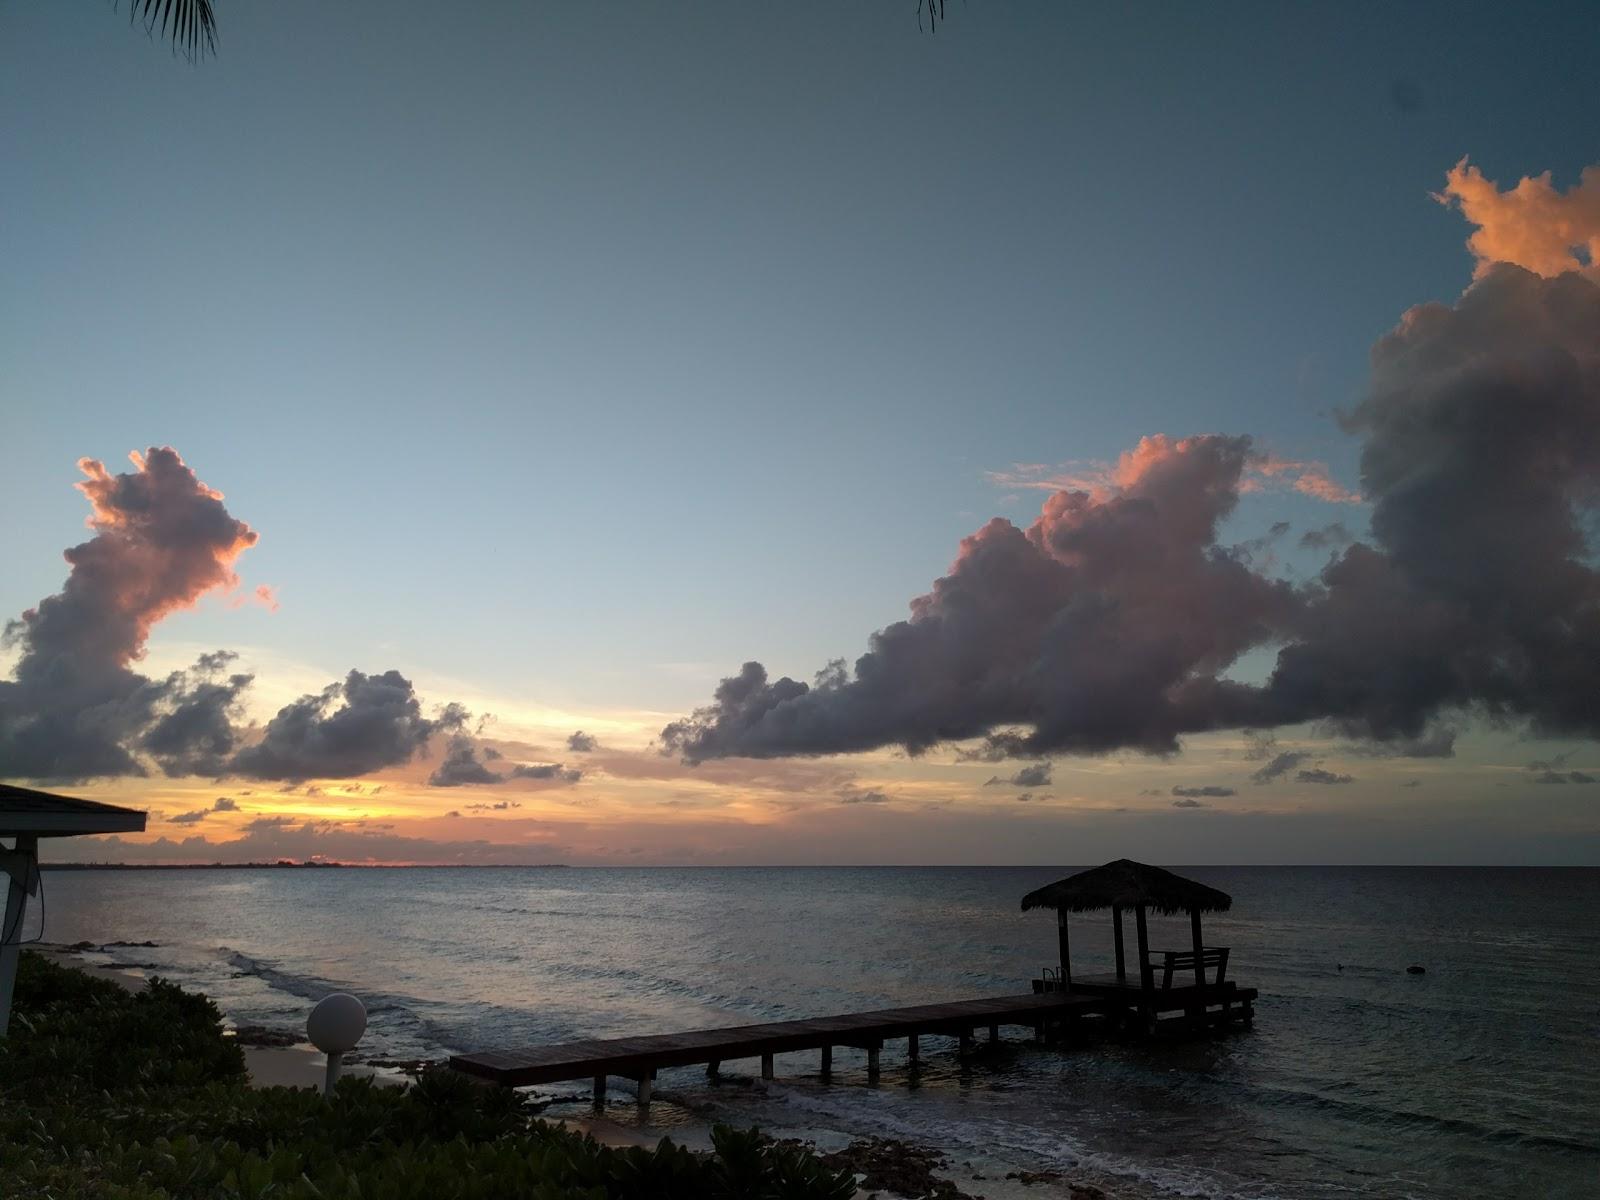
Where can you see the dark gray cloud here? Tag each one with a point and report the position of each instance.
(363, 724)
(1188, 802)
(1329, 537)
(1212, 790)
(1412, 783)
(582, 743)
(1552, 776)
(194, 817)
(75, 708)
(497, 806)
(854, 795)
(462, 765)
(1031, 776)
(1280, 765)
(556, 772)
(1318, 775)
(1113, 620)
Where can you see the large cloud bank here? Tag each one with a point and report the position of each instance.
(1111, 622)
(76, 708)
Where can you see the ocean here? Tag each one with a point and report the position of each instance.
(1480, 1077)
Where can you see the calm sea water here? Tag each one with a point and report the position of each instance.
(1481, 1077)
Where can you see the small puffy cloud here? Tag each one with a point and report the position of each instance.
(1318, 775)
(1329, 537)
(1212, 790)
(462, 765)
(1031, 776)
(221, 804)
(1280, 765)
(582, 743)
(855, 795)
(1188, 802)
(552, 772)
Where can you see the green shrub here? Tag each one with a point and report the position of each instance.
(141, 1097)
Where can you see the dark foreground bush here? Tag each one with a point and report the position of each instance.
(108, 1094)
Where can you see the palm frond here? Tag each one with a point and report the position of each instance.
(190, 24)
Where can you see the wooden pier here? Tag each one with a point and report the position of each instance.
(639, 1058)
(1128, 1001)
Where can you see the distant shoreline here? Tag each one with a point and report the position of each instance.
(285, 866)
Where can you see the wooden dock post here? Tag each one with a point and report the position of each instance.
(644, 1088)
(599, 1089)
(966, 1041)
(872, 1062)
(713, 1068)
(827, 1061)
(766, 1066)
(994, 1035)
(913, 1049)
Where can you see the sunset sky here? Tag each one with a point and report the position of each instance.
(527, 370)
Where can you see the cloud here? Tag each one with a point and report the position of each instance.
(363, 724)
(1280, 765)
(557, 772)
(1191, 793)
(853, 795)
(222, 804)
(1533, 225)
(1329, 537)
(582, 743)
(1113, 621)
(497, 806)
(75, 707)
(1033, 775)
(1188, 802)
(1103, 625)
(462, 765)
(1029, 797)
(1318, 775)
(1552, 776)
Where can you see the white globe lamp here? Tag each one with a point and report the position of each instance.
(334, 1027)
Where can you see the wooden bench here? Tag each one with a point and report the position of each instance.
(1173, 961)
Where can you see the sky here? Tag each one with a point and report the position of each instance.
(562, 359)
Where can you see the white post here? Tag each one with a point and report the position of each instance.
(22, 880)
(335, 1066)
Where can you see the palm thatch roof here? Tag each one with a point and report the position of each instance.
(1127, 883)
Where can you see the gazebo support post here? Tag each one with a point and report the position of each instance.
(1116, 935)
(1066, 949)
(1199, 949)
(1145, 988)
(22, 880)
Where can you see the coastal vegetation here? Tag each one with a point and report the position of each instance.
(143, 1096)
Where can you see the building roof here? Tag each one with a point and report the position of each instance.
(1128, 884)
(42, 814)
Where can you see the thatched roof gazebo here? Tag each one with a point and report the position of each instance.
(1127, 884)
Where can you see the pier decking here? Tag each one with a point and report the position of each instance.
(1129, 1001)
(639, 1058)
